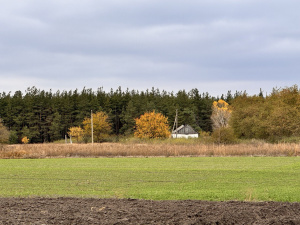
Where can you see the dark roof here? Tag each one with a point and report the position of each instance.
(184, 129)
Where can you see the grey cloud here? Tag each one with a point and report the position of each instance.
(150, 42)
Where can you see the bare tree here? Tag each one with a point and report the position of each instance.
(220, 114)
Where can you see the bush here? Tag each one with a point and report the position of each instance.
(25, 140)
(205, 137)
(224, 135)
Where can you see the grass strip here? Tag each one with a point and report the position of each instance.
(201, 178)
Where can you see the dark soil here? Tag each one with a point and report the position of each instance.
(130, 211)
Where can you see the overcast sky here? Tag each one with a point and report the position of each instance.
(212, 45)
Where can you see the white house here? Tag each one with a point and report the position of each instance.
(184, 131)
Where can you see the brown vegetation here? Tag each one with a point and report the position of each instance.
(147, 150)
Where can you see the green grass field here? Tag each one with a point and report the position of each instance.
(203, 178)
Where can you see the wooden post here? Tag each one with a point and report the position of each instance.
(92, 128)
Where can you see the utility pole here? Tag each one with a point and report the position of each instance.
(92, 128)
(176, 119)
(117, 123)
(175, 126)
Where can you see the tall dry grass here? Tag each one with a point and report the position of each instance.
(146, 150)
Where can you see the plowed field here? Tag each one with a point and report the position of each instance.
(131, 211)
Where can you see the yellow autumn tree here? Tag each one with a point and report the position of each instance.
(76, 132)
(152, 125)
(101, 126)
(220, 120)
(220, 114)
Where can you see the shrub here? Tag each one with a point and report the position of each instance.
(25, 140)
(205, 137)
(224, 135)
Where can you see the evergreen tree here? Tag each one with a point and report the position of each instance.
(128, 119)
(4, 133)
(47, 116)
(55, 128)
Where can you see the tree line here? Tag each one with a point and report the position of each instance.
(275, 117)
(272, 118)
(46, 116)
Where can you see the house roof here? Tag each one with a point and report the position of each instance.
(184, 129)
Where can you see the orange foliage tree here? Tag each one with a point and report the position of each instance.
(152, 125)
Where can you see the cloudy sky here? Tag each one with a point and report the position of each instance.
(212, 45)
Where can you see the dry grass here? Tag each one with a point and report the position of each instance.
(146, 150)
